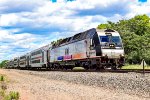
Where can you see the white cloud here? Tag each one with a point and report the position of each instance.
(9, 42)
(8, 19)
(16, 6)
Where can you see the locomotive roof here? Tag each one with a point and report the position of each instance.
(105, 30)
(77, 37)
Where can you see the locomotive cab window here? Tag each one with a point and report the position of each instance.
(104, 38)
(116, 39)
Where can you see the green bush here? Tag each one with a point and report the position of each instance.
(3, 64)
(1, 78)
(2, 93)
(12, 96)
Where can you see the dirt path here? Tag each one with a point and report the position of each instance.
(36, 88)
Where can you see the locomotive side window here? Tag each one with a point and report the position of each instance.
(67, 51)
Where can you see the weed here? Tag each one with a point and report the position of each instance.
(12, 96)
(135, 67)
(1, 78)
(3, 86)
(2, 93)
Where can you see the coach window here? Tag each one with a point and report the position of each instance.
(36, 53)
(23, 57)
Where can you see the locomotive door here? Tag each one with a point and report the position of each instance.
(96, 44)
(87, 46)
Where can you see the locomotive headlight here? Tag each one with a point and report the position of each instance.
(111, 45)
(103, 54)
(121, 55)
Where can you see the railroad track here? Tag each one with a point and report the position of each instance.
(132, 70)
(106, 70)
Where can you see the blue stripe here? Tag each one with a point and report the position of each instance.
(60, 58)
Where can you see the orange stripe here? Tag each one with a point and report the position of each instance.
(77, 56)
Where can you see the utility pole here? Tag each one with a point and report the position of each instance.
(143, 66)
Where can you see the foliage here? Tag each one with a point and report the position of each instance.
(3, 88)
(2, 93)
(54, 43)
(12, 96)
(103, 26)
(1, 78)
(3, 64)
(135, 34)
(135, 67)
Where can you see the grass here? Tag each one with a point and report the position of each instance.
(12, 96)
(124, 67)
(78, 68)
(1, 78)
(135, 67)
(3, 87)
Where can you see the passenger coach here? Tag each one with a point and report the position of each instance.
(39, 58)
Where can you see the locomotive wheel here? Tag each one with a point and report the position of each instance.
(86, 67)
(104, 67)
(64, 68)
(113, 67)
(72, 68)
(97, 68)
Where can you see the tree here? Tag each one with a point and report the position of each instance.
(3, 64)
(103, 26)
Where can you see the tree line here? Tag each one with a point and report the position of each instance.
(3, 63)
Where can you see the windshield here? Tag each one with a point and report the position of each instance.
(115, 39)
(106, 40)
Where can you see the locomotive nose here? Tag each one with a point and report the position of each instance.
(113, 53)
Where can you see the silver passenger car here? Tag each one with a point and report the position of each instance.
(39, 57)
(16, 62)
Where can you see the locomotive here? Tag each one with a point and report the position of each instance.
(91, 49)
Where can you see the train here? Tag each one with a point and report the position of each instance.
(90, 49)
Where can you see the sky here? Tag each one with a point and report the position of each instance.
(26, 25)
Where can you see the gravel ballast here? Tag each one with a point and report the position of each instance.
(130, 83)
